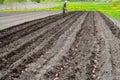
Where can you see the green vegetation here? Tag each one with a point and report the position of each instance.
(11, 1)
(108, 8)
(1, 1)
(111, 8)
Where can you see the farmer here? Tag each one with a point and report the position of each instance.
(64, 6)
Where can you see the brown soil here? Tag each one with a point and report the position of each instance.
(74, 46)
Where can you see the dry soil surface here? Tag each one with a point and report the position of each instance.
(25, 5)
(74, 46)
(9, 19)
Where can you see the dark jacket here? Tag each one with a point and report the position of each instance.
(64, 5)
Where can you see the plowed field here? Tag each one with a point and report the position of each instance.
(74, 46)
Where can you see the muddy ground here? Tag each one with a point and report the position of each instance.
(74, 46)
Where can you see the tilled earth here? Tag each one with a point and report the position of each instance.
(74, 46)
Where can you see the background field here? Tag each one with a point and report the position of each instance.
(111, 8)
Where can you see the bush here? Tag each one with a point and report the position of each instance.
(1, 1)
(38, 1)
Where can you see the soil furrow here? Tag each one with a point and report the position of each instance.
(61, 53)
(74, 46)
(38, 51)
(29, 46)
(51, 53)
(10, 38)
(28, 40)
(81, 40)
(114, 29)
(109, 57)
(77, 64)
(17, 28)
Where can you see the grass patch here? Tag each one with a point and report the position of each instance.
(112, 9)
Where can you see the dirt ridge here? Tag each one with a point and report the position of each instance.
(75, 46)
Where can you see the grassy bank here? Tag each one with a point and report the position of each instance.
(112, 9)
